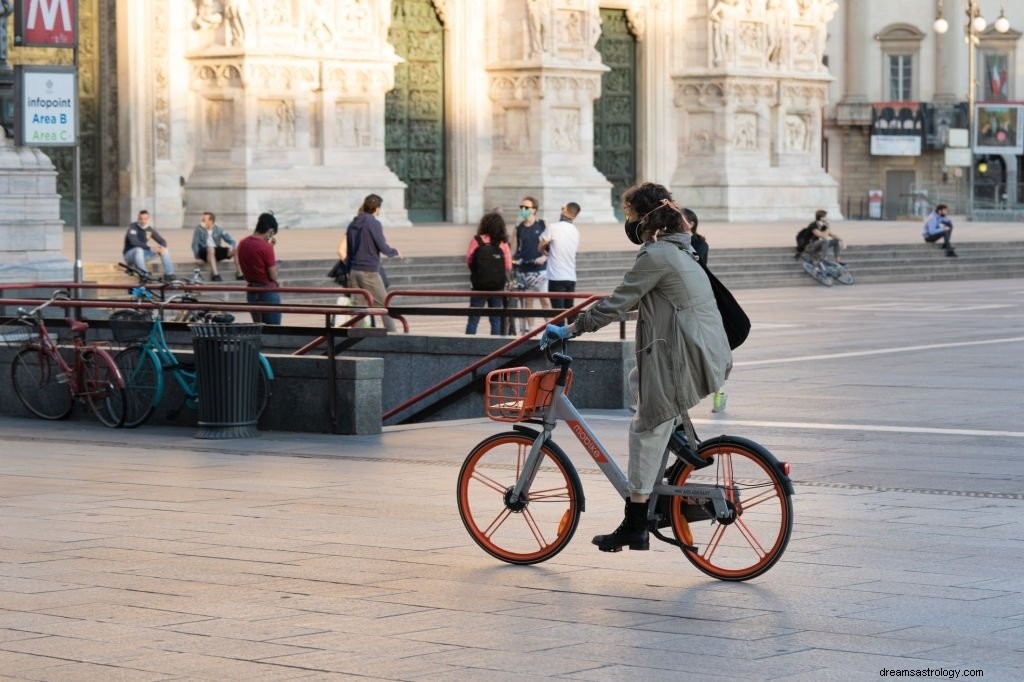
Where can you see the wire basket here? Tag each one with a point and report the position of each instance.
(128, 326)
(515, 394)
(17, 332)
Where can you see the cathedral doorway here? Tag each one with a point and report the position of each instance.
(615, 111)
(414, 109)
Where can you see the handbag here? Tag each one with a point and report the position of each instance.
(339, 273)
(735, 321)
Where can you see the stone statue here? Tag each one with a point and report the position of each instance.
(207, 15)
(776, 32)
(724, 18)
(537, 15)
(235, 13)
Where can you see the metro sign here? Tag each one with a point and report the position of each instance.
(46, 23)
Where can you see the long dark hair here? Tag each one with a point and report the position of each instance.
(493, 225)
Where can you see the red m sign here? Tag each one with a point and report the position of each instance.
(46, 23)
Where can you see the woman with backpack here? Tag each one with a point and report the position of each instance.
(490, 261)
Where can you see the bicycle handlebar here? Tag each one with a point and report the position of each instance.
(58, 295)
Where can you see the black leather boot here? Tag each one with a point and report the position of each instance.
(632, 531)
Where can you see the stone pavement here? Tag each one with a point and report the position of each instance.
(149, 555)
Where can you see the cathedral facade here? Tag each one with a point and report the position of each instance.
(448, 108)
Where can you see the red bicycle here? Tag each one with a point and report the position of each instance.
(48, 385)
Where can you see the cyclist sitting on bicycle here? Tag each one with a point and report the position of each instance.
(682, 352)
(817, 241)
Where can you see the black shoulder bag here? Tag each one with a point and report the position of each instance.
(735, 321)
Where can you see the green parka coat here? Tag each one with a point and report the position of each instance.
(682, 352)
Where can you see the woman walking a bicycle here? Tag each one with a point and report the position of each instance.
(682, 352)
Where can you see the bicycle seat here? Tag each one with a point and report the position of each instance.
(77, 326)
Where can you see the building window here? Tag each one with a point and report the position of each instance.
(901, 77)
(901, 47)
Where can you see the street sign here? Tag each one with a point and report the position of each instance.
(46, 106)
(46, 23)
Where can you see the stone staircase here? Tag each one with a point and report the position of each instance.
(752, 268)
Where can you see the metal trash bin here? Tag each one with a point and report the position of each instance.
(227, 377)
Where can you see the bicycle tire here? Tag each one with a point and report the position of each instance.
(519, 534)
(39, 385)
(102, 388)
(144, 382)
(817, 273)
(750, 543)
(843, 276)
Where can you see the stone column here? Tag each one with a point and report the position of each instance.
(288, 109)
(750, 103)
(545, 74)
(31, 231)
(950, 56)
(855, 107)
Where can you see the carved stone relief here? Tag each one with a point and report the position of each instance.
(565, 131)
(218, 124)
(769, 34)
(745, 127)
(275, 124)
(512, 129)
(354, 125)
(701, 136)
(797, 138)
(161, 83)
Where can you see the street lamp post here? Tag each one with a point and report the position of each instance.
(973, 27)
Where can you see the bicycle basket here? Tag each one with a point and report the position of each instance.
(17, 332)
(127, 326)
(515, 394)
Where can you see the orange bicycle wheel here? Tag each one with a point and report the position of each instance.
(527, 531)
(753, 538)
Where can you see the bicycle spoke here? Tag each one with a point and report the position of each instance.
(489, 482)
(749, 536)
(531, 523)
(550, 495)
(497, 522)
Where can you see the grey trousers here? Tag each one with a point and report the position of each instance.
(646, 448)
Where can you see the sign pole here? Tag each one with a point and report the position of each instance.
(78, 188)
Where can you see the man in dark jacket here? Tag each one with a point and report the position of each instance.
(137, 249)
(365, 243)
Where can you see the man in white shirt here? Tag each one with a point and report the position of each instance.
(560, 243)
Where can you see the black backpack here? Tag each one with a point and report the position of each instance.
(805, 237)
(488, 270)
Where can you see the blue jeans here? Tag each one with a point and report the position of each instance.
(474, 320)
(138, 257)
(268, 296)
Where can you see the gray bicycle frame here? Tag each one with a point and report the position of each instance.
(561, 408)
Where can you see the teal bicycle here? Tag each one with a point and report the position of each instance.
(145, 364)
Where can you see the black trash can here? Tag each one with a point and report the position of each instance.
(227, 376)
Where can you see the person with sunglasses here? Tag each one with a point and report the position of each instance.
(531, 264)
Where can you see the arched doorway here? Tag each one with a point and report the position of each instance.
(414, 113)
(615, 111)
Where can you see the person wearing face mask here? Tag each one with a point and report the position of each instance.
(560, 243)
(530, 263)
(682, 351)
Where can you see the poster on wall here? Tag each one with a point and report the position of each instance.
(897, 128)
(997, 129)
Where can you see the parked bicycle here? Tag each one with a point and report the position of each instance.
(728, 502)
(47, 385)
(825, 271)
(149, 359)
(158, 289)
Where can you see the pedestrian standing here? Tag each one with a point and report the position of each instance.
(528, 259)
(258, 263)
(490, 261)
(560, 243)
